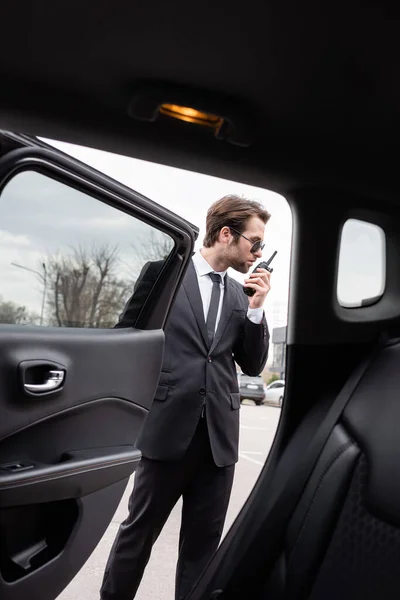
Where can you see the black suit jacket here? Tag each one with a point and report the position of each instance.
(194, 373)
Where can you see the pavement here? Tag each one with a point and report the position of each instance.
(257, 430)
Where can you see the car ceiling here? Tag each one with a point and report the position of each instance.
(321, 81)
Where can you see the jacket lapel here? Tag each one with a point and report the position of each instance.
(227, 308)
(191, 287)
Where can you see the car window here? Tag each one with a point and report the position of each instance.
(277, 384)
(69, 260)
(247, 379)
(362, 264)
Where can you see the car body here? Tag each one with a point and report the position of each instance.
(251, 388)
(274, 392)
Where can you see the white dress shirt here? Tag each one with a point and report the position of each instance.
(202, 269)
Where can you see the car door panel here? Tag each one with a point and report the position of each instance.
(82, 352)
(63, 532)
(74, 398)
(87, 397)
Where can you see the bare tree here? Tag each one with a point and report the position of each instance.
(150, 248)
(84, 289)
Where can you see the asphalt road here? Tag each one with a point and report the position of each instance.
(257, 430)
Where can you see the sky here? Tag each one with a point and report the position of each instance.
(40, 217)
(84, 219)
(190, 195)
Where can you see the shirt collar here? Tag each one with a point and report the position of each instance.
(203, 267)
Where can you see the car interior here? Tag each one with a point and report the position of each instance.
(298, 98)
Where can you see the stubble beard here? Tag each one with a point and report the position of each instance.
(239, 266)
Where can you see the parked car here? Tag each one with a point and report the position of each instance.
(251, 388)
(274, 392)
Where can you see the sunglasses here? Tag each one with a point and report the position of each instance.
(255, 246)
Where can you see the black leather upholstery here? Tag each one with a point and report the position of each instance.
(343, 541)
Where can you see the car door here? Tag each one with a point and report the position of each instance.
(278, 390)
(74, 390)
(273, 393)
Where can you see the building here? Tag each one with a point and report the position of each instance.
(278, 352)
(277, 313)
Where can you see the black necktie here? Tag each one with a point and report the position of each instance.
(214, 304)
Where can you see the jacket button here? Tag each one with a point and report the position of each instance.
(202, 392)
(209, 359)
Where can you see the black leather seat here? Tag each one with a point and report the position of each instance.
(343, 540)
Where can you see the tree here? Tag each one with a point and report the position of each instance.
(12, 313)
(84, 289)
(153, 247)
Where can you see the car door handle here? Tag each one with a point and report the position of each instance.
(54, 381)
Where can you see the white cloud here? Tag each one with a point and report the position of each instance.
(8, 239)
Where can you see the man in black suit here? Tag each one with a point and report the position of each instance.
(190, 438)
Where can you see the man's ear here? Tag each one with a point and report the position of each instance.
(225, 235)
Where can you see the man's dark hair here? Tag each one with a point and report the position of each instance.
(231, 211)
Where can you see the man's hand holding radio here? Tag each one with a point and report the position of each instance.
(260, 282)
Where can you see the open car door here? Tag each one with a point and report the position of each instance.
(74, 390)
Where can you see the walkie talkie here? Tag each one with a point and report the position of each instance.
(262, 265)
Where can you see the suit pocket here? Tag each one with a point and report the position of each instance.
(235, 401)
(161, 393)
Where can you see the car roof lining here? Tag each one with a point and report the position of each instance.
(322, 80)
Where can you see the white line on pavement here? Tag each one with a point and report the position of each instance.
(258, 428)
(249, 458)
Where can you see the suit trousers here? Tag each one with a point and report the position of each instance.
(205, 490)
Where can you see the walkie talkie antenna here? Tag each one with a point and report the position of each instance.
(262, 265)
(270, 259)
